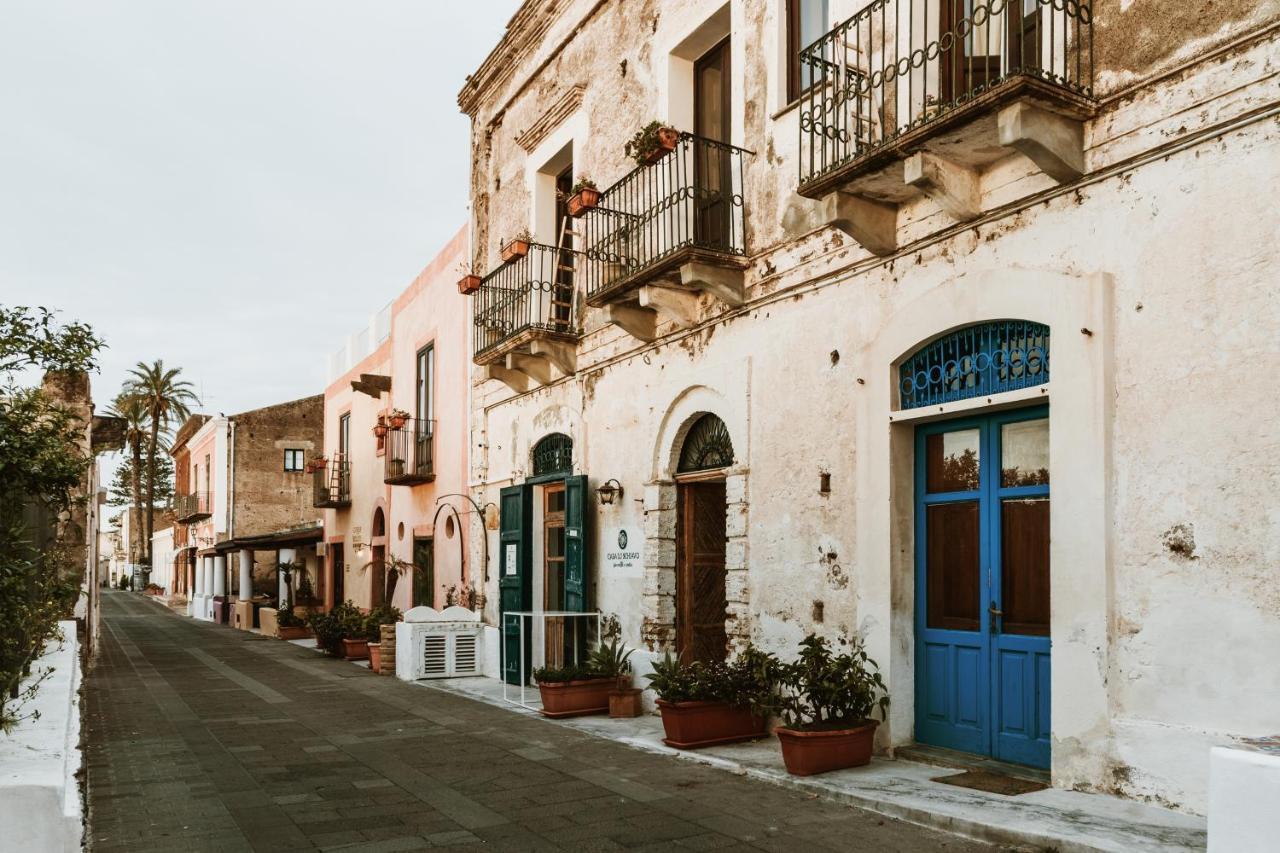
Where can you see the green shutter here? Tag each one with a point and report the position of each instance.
(515, 592)
(576, 544)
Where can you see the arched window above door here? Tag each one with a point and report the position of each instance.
(706, 446)
(987, 358)
(553, 454)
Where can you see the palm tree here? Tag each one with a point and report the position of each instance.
(167, 399)
(132, 410)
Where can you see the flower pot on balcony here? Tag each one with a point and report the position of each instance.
(380, 429)
(625, 703)
(514, 249)
(691, 725)
(469, 284)
(583, 200)
(375, 657)
(576, 698)
(355, 649)
(398, 421)
(667, 139)
(806, 753)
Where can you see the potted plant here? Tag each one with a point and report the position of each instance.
(317, 463)
(826, 701)
(468, 281)
(651, 143)
(575, 690)
(383, 614)
(380, 426)
(703, 703)
(353, 639)
(613, 660)
(517, 246)
(397, 418)
(584, 196)
(290, 626)
(330, 627)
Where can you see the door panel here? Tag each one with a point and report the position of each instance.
(713, 177)
(982, 581)
(515, 591)
(700, 592)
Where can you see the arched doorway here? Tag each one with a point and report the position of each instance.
(700, 540)
(378, 559)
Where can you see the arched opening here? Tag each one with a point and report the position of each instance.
(701, 604)
(553, 454)
(378, 559)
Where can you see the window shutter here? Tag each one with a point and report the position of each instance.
(576, 544)
(515, 590)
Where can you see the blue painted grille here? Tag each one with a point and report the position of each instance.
(984, 359)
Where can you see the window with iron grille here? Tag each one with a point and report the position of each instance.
(987, 358)
(553, 455)
(706, 446)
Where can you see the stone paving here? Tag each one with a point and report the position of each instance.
(201, 737)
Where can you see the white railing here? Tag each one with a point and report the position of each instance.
(526, 617)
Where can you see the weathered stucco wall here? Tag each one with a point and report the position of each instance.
(1168, 633)
(266, 497)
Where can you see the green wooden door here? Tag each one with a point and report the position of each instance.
(515, 589)
(576, 544)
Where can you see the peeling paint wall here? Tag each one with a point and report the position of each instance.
(1175, 211)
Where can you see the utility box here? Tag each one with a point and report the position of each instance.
(439, 644)
(220, 609)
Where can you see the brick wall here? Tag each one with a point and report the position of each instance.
(268, 498)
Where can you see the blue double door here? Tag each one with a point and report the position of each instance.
(982, 585)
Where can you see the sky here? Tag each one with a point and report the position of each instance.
(232, 187)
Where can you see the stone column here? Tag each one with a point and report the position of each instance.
(198, 593)
(737, 577)
(245, 588)
(658, 594)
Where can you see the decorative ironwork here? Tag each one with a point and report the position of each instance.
(532, 292)
(898, 65)
(984, 359)
(409, 453)
(553, 454)
(331, 485)
(691, 197)
(706, 446)
(192, 507)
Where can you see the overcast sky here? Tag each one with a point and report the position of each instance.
(230, 186)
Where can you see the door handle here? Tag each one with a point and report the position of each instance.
(994, 613)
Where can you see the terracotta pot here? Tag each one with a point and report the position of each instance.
(469, 284)
(375, 657)
(576, 698)
(398, 421)
(808, 753)
(583, 200)
(625, 703)
(300, 632)
(691, 725)
(667, 139)
(355, 649)
(515, 249)
(380, 430)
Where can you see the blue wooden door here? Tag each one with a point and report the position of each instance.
(982, 585)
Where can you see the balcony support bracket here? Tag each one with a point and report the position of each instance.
(1053, 142)
(678, 306)
(639, 323)
(951, 186)
(723, 284)
(560, 353)
(535, 367)
(513, 379)
(873, 224)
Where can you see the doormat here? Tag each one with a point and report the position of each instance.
(992, 783)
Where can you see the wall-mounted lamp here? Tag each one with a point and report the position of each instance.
(608, 490)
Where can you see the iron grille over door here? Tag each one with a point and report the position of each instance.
(988, 358)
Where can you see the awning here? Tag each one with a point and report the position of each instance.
(269, 541)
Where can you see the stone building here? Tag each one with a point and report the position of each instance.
(393, 482)
(242, 490)
(792, 374)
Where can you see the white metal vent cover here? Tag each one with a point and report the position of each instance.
(448, 642)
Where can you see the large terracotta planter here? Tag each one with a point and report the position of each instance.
(625, 703)
(576, 698)
(809, 753)
(375, 657)
(355, 649)
(691, 725)
(583, 200)
(300, 632)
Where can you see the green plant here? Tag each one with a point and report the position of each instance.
(342, 622)
(561, 674)
(383, 614)
(750, 680)
(610, 660)
(646, 141)
(286, 618)
(463, 596)
(583, 183)
(822, 690)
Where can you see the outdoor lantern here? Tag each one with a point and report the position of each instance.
(608, 490)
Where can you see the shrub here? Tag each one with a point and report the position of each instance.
(383, 614)
(286, 618)
(610, 660)
(561, 674)
(750, 680)
(330, 628)
(832, 691)
(644, 143)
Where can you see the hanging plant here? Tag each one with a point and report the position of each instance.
(468, 280)
(517, 246)
(651, 143)
(585, 196)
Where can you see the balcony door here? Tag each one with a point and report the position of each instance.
(983, 52)
(712, 173)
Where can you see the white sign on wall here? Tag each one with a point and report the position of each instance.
(622, 550)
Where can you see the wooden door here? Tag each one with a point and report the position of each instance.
(700, 571)
(339, 574)
(553, 554)
(713, 175)
(514, 589)
(973, 59)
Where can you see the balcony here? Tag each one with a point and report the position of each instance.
(331, 485)
(665, 233)
(910, 98)
(526, 327)
(409, 457)
(193, 507)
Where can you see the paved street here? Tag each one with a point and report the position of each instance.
(201, 737)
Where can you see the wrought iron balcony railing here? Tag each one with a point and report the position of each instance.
(899, 65)
(331, 484)
(529, 294)
(409, 453)
(690, 199)
(192, 507)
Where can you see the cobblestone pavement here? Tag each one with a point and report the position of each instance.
(201, 737)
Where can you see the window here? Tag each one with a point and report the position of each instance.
(344, 433)
(553, 455)
(806, 23)
(424, 394)
(293, 459)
